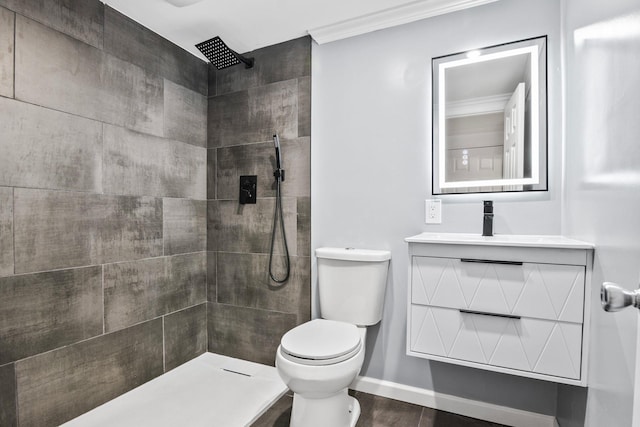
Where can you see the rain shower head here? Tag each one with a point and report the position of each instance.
(220, 55)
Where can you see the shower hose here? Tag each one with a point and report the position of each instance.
(278, 213)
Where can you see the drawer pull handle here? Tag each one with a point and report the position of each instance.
(490, 261)
(484, 313)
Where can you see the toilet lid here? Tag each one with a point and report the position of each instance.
(322, 341)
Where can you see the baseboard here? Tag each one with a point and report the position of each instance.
(446, 402)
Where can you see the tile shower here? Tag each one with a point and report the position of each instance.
(123, 251)
(247, 313)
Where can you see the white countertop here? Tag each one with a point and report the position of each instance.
(533, 241)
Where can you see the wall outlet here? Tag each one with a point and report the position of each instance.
(433, 211)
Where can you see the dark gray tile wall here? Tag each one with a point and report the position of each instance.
(96, 85)
(253, 115)
(243, 280)
(185, 226)
(56, 229)
(185, 115)
(131, 97)
(259, 159)
(82, 20)
(40, 312)
(211, 173)
(141, 164)
(68, 59)
(59, 385)
(190, 322)
(73, 144)
(246, 333)
(304, 106)
(8, 415)
(6, 231)
(211, 80)
(141, 290)
(247, 228)
(284, 61)
(304, 226)
(7, 24)
(103, 188)
(130, 41)
(248, 312)
(212, 266)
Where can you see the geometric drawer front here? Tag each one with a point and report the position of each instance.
(525, 344)
(542, 291)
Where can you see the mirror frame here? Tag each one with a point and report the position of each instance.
(538, 129)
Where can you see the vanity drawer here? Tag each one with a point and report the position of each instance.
(532, 290)
(524, 344)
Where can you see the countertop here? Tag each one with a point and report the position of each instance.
(534, 241)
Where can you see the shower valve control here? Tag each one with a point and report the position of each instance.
(248, 189)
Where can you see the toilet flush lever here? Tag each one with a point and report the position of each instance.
(614, 297)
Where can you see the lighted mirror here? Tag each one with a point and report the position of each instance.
(490, 119)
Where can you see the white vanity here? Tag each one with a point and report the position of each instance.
(513, 304)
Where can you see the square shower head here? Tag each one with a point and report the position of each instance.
(220, 55)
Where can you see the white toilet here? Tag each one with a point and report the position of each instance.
(319, 359)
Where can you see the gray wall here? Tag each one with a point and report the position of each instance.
(371, 171)
(603, 194)
(248, 313)
(102, 208)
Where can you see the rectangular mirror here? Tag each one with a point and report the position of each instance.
(490, 119)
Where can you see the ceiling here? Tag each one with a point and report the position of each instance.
(246, 25)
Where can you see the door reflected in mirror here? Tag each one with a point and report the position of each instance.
(490, 119)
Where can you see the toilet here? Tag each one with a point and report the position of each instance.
(319, 359)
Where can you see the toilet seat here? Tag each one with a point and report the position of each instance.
(321, 342)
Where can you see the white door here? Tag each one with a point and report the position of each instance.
(602, 196)
(513, 162)
(614, 298)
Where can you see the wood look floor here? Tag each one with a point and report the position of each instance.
(379, 412)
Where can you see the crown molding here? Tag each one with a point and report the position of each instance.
(391, 17)
(478, 106)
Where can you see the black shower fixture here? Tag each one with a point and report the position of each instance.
(220, 55)
(278, 174)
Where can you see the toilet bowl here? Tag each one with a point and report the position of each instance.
(318, 360)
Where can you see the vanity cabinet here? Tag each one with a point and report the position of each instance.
(517, 305)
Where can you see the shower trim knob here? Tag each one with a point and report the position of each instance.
(615, 298)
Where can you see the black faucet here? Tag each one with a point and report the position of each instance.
(487, 221)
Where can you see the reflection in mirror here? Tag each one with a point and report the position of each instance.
(489, 119)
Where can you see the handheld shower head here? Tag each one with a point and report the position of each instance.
(276, 145)
(279, 172)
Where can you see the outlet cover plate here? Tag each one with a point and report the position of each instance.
(433, 210)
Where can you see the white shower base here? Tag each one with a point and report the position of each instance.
(201, 392)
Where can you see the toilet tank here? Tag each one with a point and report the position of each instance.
(352, 283)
